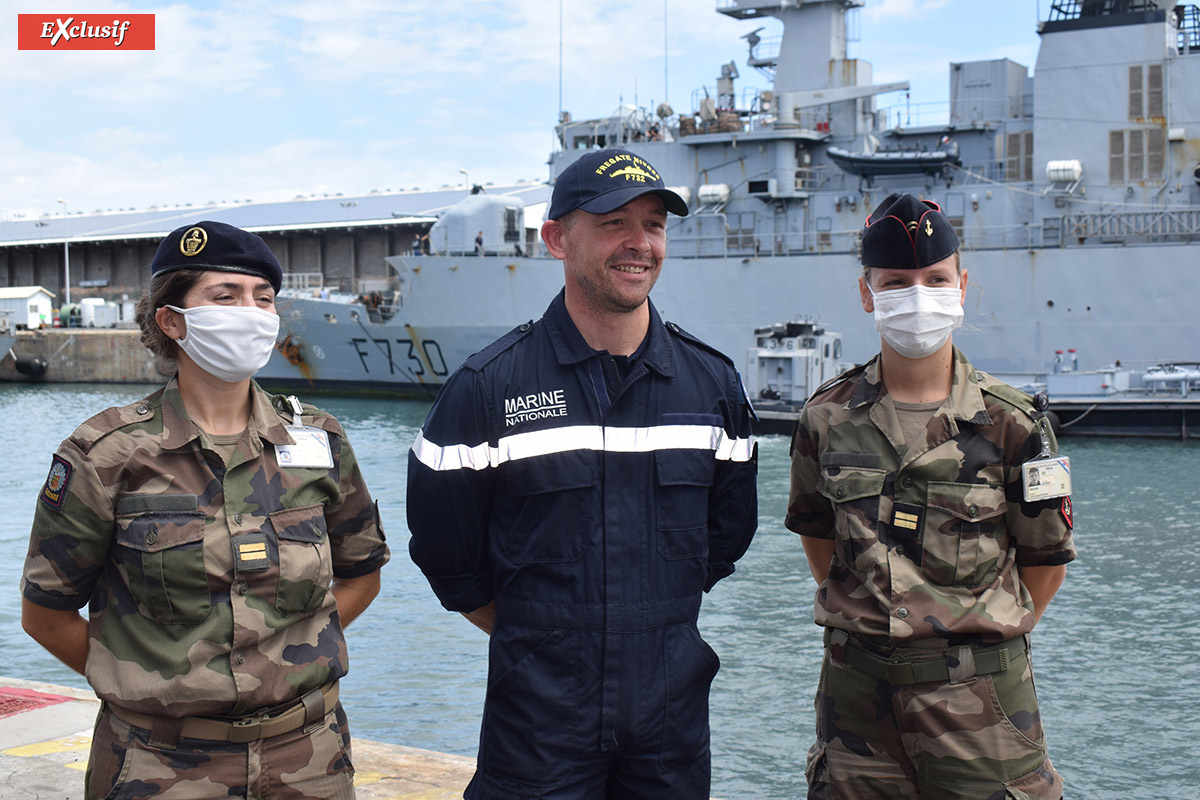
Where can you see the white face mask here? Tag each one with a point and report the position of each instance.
(229, 342)
(917, 320)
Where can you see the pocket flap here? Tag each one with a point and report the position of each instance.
(151, 533)
(527, 477)
(684, 467)
(842, 485)
(967, 501)
(304, 524)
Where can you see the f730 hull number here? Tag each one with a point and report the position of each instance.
(403, 356)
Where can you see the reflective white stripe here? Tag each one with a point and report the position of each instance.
(551, 440)
(455, 456)
(581, 437)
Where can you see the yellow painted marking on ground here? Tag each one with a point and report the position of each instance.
(79, 765)
(54, 746)
(431, 794)
(367, 778)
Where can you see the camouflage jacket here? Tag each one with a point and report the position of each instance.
(928, 541)
(208, 584)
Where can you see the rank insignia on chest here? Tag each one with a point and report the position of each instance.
(54, 492)
(907, 521)
(250, 552)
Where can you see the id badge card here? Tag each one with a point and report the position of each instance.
(311, 448)
(1046, 478)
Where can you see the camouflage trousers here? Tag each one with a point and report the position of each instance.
(290, 766)
(977, 738)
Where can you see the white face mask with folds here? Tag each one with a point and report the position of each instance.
(917, 321)
(229, 342)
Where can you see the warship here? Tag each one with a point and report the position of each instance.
(1075, 192)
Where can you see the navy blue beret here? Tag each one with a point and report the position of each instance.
(217, 246)
(601, 181)
(906, 233)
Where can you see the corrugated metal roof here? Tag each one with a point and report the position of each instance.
(301, 214)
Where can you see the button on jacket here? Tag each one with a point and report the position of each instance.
(208, 583)
(929, 541)
(594, 513)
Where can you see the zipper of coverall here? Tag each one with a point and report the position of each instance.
(600, 389)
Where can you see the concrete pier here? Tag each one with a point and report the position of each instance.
(46, 732)
(83, 355)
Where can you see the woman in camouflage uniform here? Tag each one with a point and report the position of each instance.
(222, 538)
(932, 567)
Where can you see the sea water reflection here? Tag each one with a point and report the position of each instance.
(1117, 654)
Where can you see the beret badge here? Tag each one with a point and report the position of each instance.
(192, 242)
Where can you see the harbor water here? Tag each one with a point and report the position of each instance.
(1117, 654)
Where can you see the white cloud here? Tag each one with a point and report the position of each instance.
(271, 99)
(884, 9)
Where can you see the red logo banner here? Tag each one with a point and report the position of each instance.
(85, 32)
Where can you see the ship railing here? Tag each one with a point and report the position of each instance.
(738, 241)
(915, 115)
(303, 280)
(1159, 225)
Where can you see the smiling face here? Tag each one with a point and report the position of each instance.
(611, 260)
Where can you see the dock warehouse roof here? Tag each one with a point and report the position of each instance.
(324, 213)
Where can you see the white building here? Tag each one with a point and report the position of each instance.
(31, 306)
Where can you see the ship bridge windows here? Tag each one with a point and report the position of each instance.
(597, 141)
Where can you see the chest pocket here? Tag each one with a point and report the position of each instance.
(305, 562)
(855, 493)
(683, 481)
(554, 511)
(160, 556)
(963, 527)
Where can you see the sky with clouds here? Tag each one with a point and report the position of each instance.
(272, 99)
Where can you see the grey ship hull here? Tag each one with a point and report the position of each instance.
(1132, 304)
(1075, 192)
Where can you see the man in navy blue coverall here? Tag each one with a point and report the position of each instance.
(575, 489)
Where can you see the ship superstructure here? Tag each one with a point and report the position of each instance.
(1075, 192)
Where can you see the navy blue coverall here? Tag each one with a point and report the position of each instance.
(594, 505)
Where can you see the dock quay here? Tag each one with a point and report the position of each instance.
(80, 355)
(46, 731)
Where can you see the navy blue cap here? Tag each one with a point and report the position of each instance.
(906, 233)
(215, 245)
(604, 180)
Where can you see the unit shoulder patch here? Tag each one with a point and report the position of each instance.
(54, 491)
